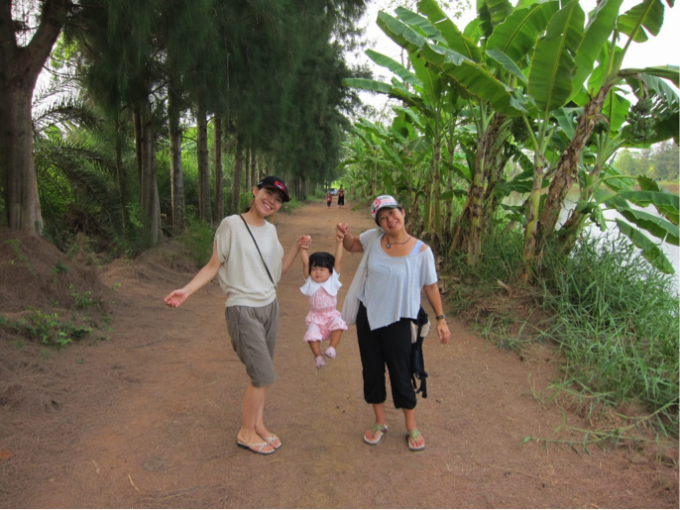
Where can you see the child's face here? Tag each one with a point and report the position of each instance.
(320, 274)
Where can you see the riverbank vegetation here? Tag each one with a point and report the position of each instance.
(611, 315)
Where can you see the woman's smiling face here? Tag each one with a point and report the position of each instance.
(267, 201)
(391, 219)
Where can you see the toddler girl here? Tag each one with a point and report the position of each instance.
(329, 199)
(323, 281)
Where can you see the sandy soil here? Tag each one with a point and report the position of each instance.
(148, 418)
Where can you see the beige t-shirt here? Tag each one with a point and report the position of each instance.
(242, 276)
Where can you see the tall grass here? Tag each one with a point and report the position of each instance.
(501, 261)
(616, 320)
(612, 315)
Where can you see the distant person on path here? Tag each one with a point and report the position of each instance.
(322, 271)
(398, 267)
(250, 261)
(341, 197)
(329, 199)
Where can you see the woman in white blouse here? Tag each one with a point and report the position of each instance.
(398, 267)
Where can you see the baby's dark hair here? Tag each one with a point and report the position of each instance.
(322, 259)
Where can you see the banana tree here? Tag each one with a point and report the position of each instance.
(601, 187)
(459, 60)
(424, 93)
(598, 42)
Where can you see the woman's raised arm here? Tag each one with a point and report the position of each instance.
(351, 242)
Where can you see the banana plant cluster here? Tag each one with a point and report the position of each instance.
(540, 84)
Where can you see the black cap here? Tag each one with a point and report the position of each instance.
(273, 182)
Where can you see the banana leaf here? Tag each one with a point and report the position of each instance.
(552, 65)
(507, 63)
(667, 72)
(517, 35)
(650, 251)
(455, 40)
(647, 15)
(394, 66)
(666, 203)
(597, 32)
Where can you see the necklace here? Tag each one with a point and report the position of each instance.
(389, 244)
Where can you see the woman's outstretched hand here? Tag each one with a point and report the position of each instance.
(176, 298)
(342, 228)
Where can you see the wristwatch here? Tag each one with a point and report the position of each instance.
(440, 317)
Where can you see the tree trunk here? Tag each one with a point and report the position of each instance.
(238, 171)
(219, 175)
(19, 70)
(567, 168)
(432, 220)
(574, 225)
(254, 178)
(498, 162)
(484, 152)
(530, 236)
(251, 168)
(176, 177)
(150, 203)
(137, 119)
(121, 175)
(495, 162)
(203, 166)
(22, 203)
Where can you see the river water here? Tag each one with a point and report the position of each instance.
(671, 252)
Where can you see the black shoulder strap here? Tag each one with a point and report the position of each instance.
(258, 249)
(417, 357)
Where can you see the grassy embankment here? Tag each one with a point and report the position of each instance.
(613, 317)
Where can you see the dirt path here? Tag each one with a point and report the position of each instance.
(149, 418)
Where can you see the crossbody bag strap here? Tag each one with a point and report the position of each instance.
(258, 249)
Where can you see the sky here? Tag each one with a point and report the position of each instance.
(660, 50)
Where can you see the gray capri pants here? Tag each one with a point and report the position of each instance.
(253, 337)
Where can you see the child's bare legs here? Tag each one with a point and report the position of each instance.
(335, 340)
(253, 429)
(316, 349)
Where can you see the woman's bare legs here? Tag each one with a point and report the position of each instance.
(379, 410)
(252, 420)
(410, 419)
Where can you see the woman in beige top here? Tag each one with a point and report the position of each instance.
(250, 261)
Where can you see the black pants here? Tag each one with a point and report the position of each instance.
(391, 346)
(341, 200)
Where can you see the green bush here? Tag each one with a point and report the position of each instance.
(50, 329)
(198, 238)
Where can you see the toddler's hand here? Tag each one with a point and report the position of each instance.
(304, 242)
(342, 228)
(339, 236)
